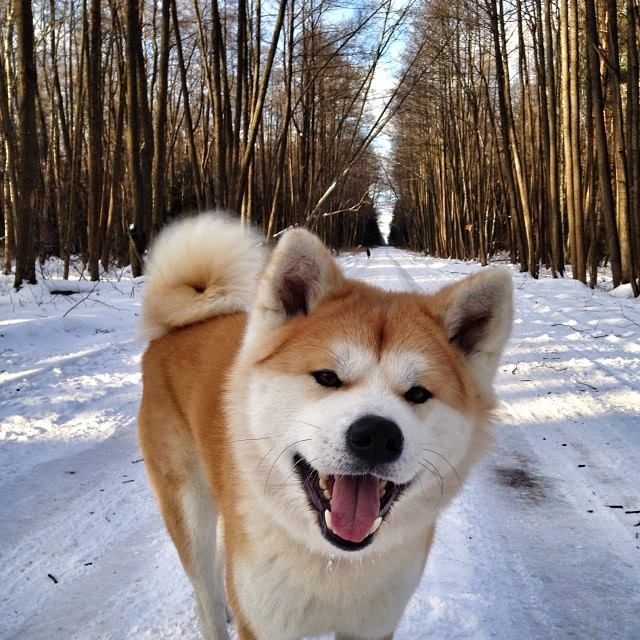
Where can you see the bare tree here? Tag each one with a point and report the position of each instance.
(602, 149)
(95, 152)
(27, 147)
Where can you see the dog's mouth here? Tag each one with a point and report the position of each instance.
(350, 508)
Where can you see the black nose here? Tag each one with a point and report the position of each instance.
(375, 440)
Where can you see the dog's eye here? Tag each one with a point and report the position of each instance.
(327, 378)
(417, 395)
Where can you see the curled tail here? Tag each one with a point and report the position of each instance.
(198, 268)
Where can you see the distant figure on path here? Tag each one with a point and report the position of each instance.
(368, 252)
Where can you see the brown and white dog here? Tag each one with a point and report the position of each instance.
(302, 431)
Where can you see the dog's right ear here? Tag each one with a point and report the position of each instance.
(300, 274)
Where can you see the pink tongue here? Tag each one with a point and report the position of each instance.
(355, 505)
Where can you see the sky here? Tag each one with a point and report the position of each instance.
(384, 82)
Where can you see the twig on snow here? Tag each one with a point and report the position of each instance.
(562, 324)
(627, 317)
(77, 304)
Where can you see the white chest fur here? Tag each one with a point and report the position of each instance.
(287, 592)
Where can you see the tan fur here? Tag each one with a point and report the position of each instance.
(378, 318)
(194, 409)
(181, 422)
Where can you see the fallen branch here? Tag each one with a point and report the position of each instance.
(62, 292)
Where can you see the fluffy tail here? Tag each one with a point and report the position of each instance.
(198, 268)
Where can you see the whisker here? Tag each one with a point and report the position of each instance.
(426, 494)
(308, 424)
(433, 466)
(447, 462)
(264, 457)
(311, 473)
(429, 466)
(310, 462)
(422, 486)
(270, 437)
(433, 473)
(278, 458)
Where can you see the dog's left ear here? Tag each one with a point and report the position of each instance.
(300, 274)
(477, 314)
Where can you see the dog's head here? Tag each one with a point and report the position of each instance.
(364, 408)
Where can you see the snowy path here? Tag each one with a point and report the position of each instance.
(542, 543)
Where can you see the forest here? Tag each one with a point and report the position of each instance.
(512, 127)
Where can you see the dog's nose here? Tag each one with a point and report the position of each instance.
(375, 440)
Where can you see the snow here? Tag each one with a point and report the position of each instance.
(543, 542)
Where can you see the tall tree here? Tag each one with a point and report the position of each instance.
(160, 128)
(10, 182)
(627, 247)
(134, 134)
(633, 130)
(95, 117)
(549, 90)
(28, 153)
(602, 148)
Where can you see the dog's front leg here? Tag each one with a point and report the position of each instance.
(243, 631)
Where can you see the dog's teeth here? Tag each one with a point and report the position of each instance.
(375, 526)
(327, 518)
(327, 494)
(322, 481)
(382, 487)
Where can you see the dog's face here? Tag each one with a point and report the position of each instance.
(364, 407)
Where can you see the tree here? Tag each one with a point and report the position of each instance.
(95, 152)
(602, 148)
(28, 170)
(136, 97)
(493, 156)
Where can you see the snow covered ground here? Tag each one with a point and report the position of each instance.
(543, 543)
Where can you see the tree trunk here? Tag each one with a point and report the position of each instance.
(284, 137)
(627, 248)
(602, 150)
(256, 114)
(133, 133)
(557, 250)
(94, 100)
(193, 155)
(160, 132)
(117, 169)
(515, 211)
(10, 182)
(633, 131)
(574, 142)
(28, 157)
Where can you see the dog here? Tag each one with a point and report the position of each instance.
(302, 431)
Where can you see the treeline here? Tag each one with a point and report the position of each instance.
(524, 136)
(119, 115)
